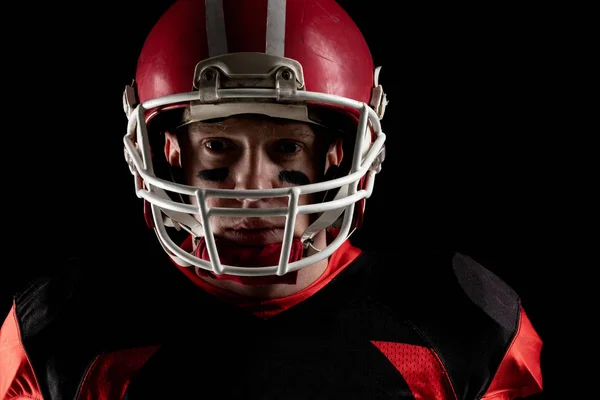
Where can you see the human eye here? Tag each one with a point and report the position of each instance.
(217, 145)
(287, 147)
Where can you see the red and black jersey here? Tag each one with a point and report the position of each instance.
(424, 326)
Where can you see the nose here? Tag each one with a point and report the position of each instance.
(254, 170)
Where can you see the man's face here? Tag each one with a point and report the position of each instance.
(250, 152)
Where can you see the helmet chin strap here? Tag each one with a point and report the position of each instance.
(330, 218)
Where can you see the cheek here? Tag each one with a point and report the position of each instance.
(312, 168)
(189, 165)
(308, 198)
(190, 177)
(302, 222)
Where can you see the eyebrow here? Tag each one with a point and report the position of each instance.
(207, 128)
(300, 133)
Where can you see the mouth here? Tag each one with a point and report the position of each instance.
(254, 236)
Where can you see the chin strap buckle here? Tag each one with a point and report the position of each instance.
(379, 99)
(378, 162)
(130, 100)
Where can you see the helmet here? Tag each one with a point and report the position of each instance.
(303, 60)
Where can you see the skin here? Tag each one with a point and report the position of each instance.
(254, 152)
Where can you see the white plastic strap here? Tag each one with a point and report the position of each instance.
(216, 36)
(326, 219)
(275, 40)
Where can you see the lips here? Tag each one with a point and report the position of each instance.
(254, 224)
(255, 236)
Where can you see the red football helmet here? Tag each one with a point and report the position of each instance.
(304, 60)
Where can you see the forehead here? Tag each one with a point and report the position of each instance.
(253, 124)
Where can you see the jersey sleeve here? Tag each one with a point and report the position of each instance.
(17, 380)
(519, 374)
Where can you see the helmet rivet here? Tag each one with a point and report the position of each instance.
(209, 74)
(286, 74)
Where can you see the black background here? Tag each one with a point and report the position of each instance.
(471, 150)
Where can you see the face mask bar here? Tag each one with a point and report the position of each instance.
(366, 162)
